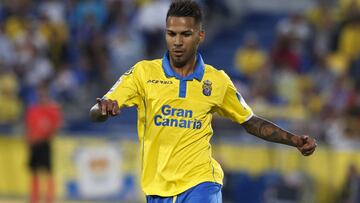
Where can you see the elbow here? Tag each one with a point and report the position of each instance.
(247, 130)
(252, 125)
(250, 131)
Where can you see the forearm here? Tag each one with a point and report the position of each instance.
(269, 131)
(95, 114)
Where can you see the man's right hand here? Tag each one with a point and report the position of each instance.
(104, 108)
(108, 107)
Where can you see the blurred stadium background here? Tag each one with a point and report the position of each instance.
(296, 63)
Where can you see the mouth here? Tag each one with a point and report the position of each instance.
(178, 52)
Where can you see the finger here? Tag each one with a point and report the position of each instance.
(109, 105)
(308, 146)
(115, 108)
(306, 154)
(303, 141)
(98, 101)
(309, 152)
(312, 151)
(103, 107)
(305, 138)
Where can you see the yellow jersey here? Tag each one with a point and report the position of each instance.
(174, 121)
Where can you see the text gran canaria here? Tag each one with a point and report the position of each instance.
(176, 117)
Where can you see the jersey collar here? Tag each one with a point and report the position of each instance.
(197, 74)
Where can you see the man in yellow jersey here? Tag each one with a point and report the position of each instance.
(175, 97)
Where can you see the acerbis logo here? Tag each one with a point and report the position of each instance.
(163, 82)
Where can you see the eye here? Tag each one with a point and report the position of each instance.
(171, 34)
(188, 34)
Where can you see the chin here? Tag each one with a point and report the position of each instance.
(178, 62)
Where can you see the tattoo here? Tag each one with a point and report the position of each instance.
(269, 131)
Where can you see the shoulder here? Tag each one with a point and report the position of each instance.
(144, 67)
(148, 64)
(216, 73)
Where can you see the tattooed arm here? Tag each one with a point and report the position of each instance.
(268, 131)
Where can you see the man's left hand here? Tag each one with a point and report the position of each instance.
(307, 145)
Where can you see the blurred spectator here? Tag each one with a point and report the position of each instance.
(124, 43)
(349, 42)
(10, 104)
(7, 49)
(322, 18)
(120, 14)
(151, 23)
(298, 31)
(85, 8)
(353, 111)
(55, 37)
(37, 68)
(354, 72)
(350, 192)
(321, 15)
(338, 63)
(318, 88)
(288, 90)
(322, 76)
(283, 54)
(43, 119)
(250, 59)
(15, 27)
(65, 83)
(348, 9)
(96, 53)
(54, 10)
(125, 48)
(293, 188)
(340, 133)
(339, 97)
(214, 7)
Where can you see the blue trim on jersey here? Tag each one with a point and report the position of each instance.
(182, 89)
(197, 74)
(207, 192)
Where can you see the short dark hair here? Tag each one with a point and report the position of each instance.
(185, 8)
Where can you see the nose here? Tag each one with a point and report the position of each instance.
(178, 41)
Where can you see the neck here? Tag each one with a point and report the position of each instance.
(44, 101)
(185, 70)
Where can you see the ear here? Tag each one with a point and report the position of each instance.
(202, 36)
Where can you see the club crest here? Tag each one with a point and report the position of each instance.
(207, 87)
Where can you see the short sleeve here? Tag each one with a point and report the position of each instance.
(127, 91)
(233, 105)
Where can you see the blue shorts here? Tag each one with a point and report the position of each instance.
(207, 192)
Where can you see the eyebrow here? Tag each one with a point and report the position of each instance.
(183, 32)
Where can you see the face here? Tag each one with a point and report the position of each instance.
(183, 37)
(42, 92)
